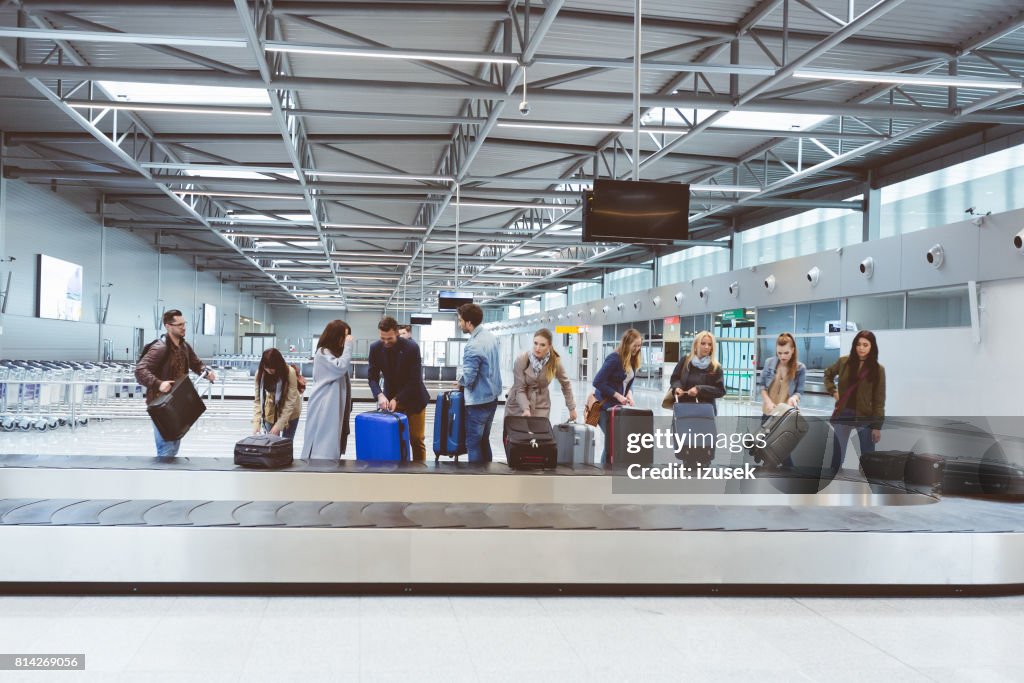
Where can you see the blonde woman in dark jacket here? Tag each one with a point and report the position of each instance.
(859, 395)
(533, 371)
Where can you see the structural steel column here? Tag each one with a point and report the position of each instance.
(871, 225)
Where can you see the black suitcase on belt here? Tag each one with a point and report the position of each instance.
(529, 443)
(622, 422)
(884, 465)
(264, 450)
(924, 469)
(974, 478)
(175, 412)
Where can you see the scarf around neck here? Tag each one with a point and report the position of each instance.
(538, 363)
(700, 363)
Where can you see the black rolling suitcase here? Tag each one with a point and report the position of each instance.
(983, 479)
(781, 432)
(924, 469)
(529, 443)
(622, 422)
(175, 412)
(265, 451)
(884, 465)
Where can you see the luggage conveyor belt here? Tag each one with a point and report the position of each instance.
(117, 544)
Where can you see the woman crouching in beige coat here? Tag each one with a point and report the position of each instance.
(533, 372)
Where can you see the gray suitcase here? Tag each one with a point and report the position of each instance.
(781, 433)
(576, 443)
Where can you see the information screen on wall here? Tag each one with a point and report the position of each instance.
(60, 289)
(209, 319)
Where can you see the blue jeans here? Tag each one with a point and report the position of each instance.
(479, 419)
(164, 448)
(846, 422)
(289, 431)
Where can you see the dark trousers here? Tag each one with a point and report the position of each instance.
(842, 425)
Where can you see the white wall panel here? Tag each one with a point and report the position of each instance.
(37, 220)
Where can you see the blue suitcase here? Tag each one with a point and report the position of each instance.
(382, 436)
(449, 425)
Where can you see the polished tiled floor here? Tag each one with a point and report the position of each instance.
(519, 638)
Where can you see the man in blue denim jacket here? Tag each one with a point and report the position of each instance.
(480, 382)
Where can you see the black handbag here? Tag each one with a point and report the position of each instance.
(175, 412)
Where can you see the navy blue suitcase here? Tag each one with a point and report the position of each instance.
(382, 436)
(696, 423)
(449, 425)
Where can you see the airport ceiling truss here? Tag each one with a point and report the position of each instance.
(388, 150)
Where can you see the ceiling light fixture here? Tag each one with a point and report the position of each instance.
(239, 195)
(428, 55)
(169, 108)
(909, 79)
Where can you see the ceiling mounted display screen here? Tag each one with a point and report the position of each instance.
(450, 301)
(636, 212)
(60, 289)
(421, 319)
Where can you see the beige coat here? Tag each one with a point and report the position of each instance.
(530, 391)
(291, 405)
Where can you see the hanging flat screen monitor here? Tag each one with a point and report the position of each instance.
(421, 319)
(450, 301)
(60, 289)
(636, 212)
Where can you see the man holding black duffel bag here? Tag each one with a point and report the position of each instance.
(164, 362)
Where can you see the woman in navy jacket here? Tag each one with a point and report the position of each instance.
(613, 383)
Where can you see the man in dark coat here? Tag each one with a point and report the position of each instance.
(398, 362)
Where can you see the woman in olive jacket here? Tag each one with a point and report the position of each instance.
(859, 395)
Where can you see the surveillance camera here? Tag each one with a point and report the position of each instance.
(656, 301)
(636, 304)
(978, 220)
(867, 267)
(579, 314)
(769, 283)
(704, 293)
(813, 275)
(734, 289)
(618, 307)
(678, 297)
(604, 309)
(593, 311)
(1018, 241)
(524, 108)
(560, 316)
(935, 256)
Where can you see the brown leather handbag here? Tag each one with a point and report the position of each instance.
(592, 413)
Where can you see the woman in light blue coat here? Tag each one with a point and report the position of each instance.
(782, 378)
(325, 415)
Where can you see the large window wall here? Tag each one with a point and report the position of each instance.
(994, 182)
(692, 263)
(628, 280)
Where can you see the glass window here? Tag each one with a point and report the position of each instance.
(608, 333)
(582, 292)
(811, 351)
(805, 233)
(555, 300)
(946, 307)
(883, 312)
(775, 320)
(629, 280)
(994, 182)
(813, 318)
(514, 311)
(531, 306)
